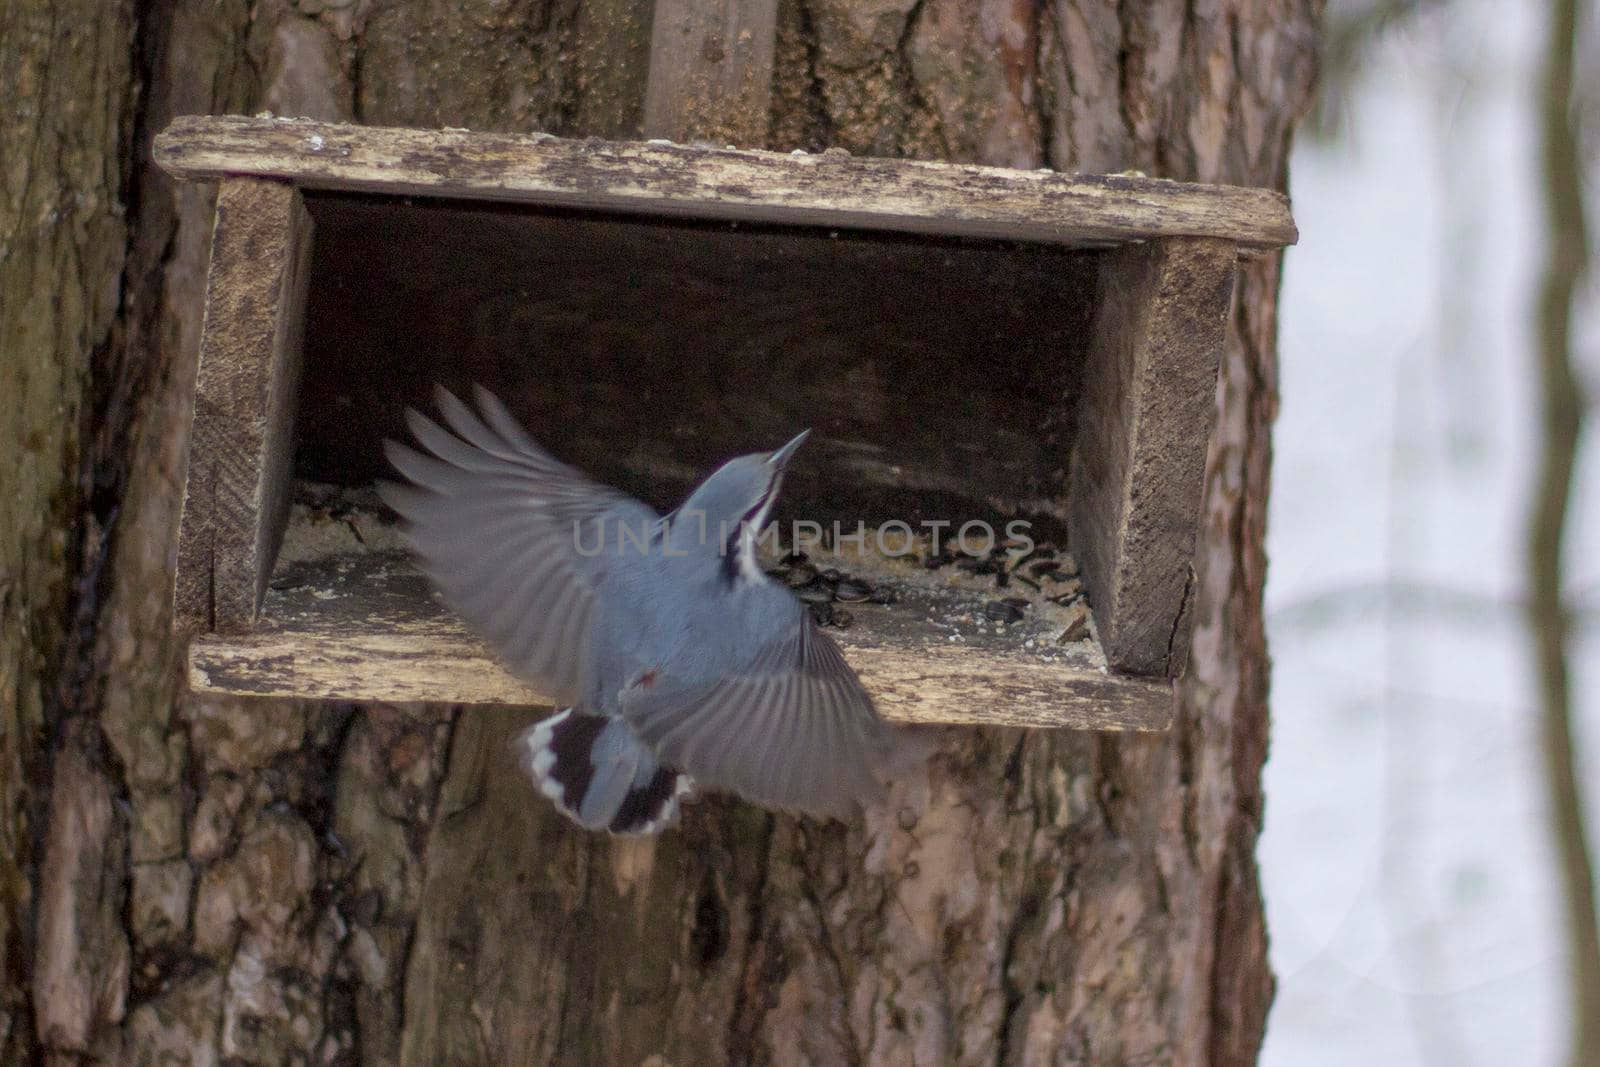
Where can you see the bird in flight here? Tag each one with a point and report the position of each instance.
(676, 661)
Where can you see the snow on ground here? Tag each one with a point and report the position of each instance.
(1409, 875)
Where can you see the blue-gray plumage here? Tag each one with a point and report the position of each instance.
(681, 661)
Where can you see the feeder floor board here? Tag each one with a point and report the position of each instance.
(348, 616)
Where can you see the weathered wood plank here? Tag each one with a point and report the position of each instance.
(1144, 421)
(711, 70)
(365, 627)
(240, 450)
(610, 56)
(933, 686)
(679, 180)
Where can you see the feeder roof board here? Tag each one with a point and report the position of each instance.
(693, 181)
(356, 621)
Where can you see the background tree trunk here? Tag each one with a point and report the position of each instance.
(207, 881)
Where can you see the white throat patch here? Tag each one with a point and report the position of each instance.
(749, 567)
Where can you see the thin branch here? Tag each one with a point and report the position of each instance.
(1563, 412)
(1418, 599)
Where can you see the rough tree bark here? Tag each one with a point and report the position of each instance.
(220, 882)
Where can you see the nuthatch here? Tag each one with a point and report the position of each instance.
(682, 662)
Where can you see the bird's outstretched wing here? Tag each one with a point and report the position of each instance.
(794, 729)
(497, 524)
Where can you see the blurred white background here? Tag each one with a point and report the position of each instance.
(1410, 875)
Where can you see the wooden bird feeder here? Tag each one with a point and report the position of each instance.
(967, 343)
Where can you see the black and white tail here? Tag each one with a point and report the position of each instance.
(600, 775)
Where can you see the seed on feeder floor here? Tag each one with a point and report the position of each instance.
(818, 592)
(1071, 589)
(1046, 570)
(1000, 611)
(1038, 553)
(852, 591)
(800, 574)
(1066, 589)
(1077, 630)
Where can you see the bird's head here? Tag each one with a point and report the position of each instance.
(740, 493)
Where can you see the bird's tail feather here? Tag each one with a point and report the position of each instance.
(600, 775)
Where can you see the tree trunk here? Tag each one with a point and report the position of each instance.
(213, 881)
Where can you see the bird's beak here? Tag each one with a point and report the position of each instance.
(780, 458)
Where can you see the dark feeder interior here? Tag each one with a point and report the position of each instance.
(938, 375)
